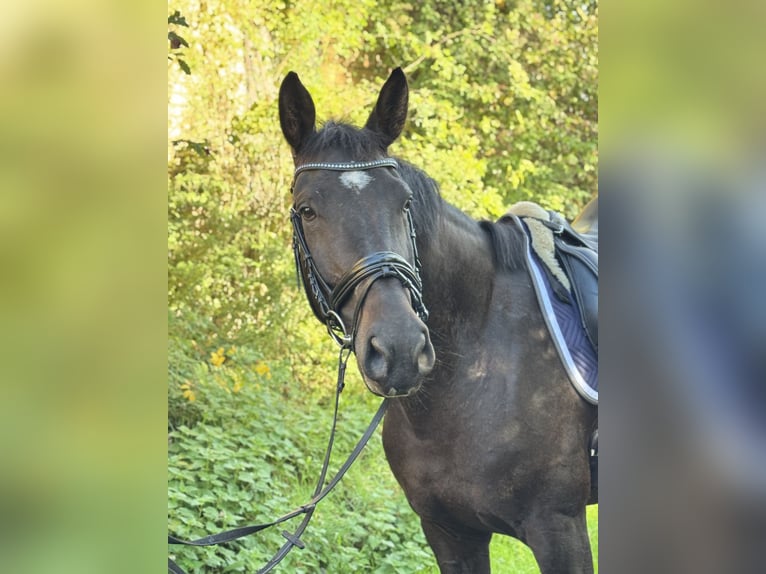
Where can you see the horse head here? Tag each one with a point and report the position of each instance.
(354, 238)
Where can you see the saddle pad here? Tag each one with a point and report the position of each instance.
(563, 319)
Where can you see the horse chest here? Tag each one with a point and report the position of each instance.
(453, 467)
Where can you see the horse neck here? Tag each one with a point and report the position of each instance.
(458, 272)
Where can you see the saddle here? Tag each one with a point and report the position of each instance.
(577, 250)
(570, 256)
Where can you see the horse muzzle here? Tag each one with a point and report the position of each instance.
(392, 344)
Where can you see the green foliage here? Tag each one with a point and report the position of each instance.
(506, 96)
(253, 456)
(503, 107)
(177, 42)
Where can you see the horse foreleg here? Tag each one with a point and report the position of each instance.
(458, 551)
(560, 544)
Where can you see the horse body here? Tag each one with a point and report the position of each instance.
(496, 439)
(486, 434)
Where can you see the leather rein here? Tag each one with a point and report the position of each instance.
(326, 303)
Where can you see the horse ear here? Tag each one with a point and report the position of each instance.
(390, 112)
(297, 114)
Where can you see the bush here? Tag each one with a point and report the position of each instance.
(254, 452)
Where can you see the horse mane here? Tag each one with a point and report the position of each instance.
(362, 144)
(505, 236)
(507, 243)
(427, 200)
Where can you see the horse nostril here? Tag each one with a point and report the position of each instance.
(376, 363)
(424, 355)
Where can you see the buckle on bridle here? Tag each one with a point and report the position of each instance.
(337, 330)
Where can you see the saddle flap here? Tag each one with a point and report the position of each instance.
(578, 254)
(581, 266)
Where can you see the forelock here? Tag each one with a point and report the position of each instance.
(359, 144)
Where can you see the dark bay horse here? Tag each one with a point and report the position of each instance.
(485, 433)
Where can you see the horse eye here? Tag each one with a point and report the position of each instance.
(306, 213)
(407, 204)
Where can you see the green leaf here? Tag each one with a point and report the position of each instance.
(177, 19)
(184, 66)
(176, 41)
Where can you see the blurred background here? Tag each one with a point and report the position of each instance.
(83, 254)
(683, 190)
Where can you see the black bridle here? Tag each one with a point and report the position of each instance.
(327, 301)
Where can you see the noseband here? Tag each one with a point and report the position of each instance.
(326, 301)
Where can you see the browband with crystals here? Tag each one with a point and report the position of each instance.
(348, 166)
